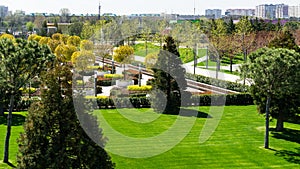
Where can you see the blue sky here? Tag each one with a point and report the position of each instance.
(121, 7)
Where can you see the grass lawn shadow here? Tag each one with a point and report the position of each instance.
(287, 134)
(290, 156)
(193, 113)
(17, 119)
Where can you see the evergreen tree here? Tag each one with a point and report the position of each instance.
(169, 79)
(53, 136)
(230, 26)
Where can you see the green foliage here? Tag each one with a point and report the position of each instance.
(275, 74)
(21, 61)
(52, 129)
(139, 88)
(168, 79)
(76, 28)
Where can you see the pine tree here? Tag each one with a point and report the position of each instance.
(53, 136)
(169, 78)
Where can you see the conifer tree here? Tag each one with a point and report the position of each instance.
(53, 136)
(169, 78)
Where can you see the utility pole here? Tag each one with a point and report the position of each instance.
(99, 12)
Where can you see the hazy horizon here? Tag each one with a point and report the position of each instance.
(125, 7)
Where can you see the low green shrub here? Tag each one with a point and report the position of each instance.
(139, 88)
(231, 99)
(113, 76)
(106, 82)
(199, 100)
(217, 82)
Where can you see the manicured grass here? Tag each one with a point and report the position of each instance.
(236, 143)
(17, 128)
(140, 49)
(186, 54)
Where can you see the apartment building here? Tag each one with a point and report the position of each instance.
(213, 13)
(3, 11)
(240, 12)
(294, 11)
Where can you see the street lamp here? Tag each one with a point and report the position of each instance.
(95, 86)
(139, 75)
(112, 69)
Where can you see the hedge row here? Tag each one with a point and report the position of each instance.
(217, 82)
(230, 99)
(107, 82)
(139, 88)
(113, 76)
(200, 100)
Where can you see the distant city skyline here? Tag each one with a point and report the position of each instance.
(126, 7)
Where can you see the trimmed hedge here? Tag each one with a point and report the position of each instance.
(139, 88)
(200, 100)
(106, 82)
(113, 76)
(217, 82)
(231, 99)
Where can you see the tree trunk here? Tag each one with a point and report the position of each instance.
(267, 123)
(231, 65)
(8, 133)
(280, 121)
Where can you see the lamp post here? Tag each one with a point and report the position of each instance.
(139, 75)
(112, 65)
(95, 86)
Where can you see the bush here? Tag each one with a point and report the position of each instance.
(231, 99)
(200, 100)
(113, 76)
(139, 88)
(219, 83)
(106, 82)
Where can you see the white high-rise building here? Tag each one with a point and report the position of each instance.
(282, 11)
(294, 11)
(240, 12)
(214, 13)
(270, 11)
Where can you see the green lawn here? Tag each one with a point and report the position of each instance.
(236, 143)
(140, 49)
(17, 128)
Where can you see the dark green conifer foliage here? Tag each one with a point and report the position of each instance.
(169, 79)
(53, 136)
